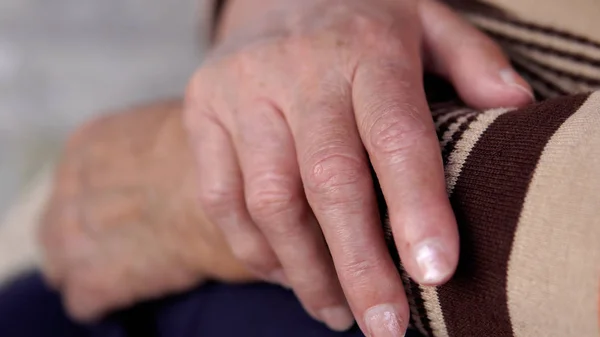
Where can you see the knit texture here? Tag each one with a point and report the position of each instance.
(524, 184)
(524, 187)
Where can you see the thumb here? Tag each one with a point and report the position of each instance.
(470, 60)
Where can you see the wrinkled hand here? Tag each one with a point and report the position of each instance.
(290, 107)
(122, 224)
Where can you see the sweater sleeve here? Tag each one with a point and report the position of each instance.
(209, 14)
(525, 190)
(524, 187)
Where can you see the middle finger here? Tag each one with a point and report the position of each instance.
(277, 204)
(339, 187)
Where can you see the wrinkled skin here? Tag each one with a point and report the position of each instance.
(122, 224)
(294, 102)
(282, 120)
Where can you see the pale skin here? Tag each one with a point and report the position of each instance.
(282, 119)
(122, 224)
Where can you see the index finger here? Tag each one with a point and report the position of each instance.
(397, 131)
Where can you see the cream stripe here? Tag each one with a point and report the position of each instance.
(443, 119)
(456, 161)
(528, 35)
(434, 311)
(559, 62)
(577, 16)
(453, 128)
(555, 261)
(458, 157)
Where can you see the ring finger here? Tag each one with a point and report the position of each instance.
(276, 202)
(222, 195)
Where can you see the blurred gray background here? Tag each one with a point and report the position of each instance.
(63, 61)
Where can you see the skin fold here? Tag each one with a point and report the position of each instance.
(262, 172)
(122, 223)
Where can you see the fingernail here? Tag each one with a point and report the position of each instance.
(432, 262)
(514, 80)
(383, 321)
(278, 276)
(337, 318)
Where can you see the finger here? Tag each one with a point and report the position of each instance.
(60, 220)
(222, 196)
(339, 188)
(87, 295)
(119, 270)
(59, 225)
(473, 62)
(396, 128)
(277, 204)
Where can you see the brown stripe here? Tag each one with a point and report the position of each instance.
(557, 61)
(540, 90)
(418, 312)
(579, 77)
(487, 201)
(507, 29)
(419, 304)
(565, 84)
(523, 70)
(438, 109)
(545, 49)
(547, 31)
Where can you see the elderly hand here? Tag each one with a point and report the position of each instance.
(294, 103)
(122, 223)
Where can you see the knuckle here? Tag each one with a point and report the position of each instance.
(271, 195)
(195, 103)
(329, 172)
(218, 199)
(368, 25)
(358, 270)
(62, 238)
(379, 34)
(243, 63)
(194, 85)
(253, 253)
(394, 135)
